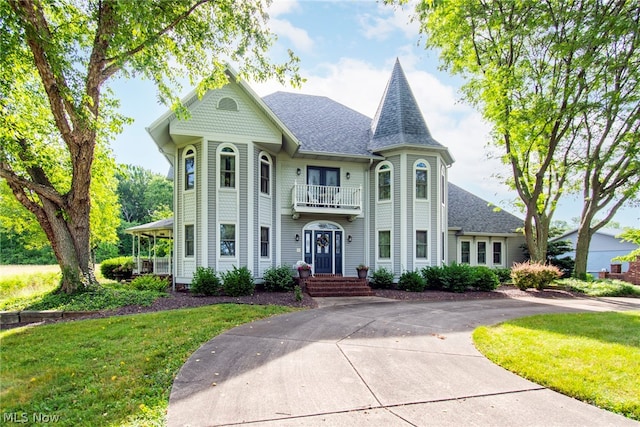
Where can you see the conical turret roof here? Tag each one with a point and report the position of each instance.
(398, 120)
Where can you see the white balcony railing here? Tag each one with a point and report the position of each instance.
(325, 198)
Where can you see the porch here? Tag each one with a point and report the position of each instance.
(152, 247)
(326, 199)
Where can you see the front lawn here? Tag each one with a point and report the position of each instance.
(113, 371)
(594, 357)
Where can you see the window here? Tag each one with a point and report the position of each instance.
(421, 244)
(421, 180)
(443, 184)
(482, 252)
(465, 252)
(384, 244)
(228, 104)
(497, 253)
(384, 182)
(264, 242)
(189, 241)
(227, 240)
(265, 174)
(228, 168)
(189, 169)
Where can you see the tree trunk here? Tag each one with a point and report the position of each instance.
(582, 251)
(67, 228)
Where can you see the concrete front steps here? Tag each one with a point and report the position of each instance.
(337, 286)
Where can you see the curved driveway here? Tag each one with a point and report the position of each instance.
(378, 363)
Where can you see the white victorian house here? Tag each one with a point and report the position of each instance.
(262, 182)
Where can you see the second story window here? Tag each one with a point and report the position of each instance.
(421, 181)
(228, 168)
(384, 182)
(189, 169)
(265, 174)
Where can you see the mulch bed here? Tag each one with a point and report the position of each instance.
(177, 300)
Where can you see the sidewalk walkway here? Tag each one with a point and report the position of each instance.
(375, 362)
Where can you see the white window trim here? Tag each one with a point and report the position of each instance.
(415, 249)
(486, 252)
(390, 259)
(184, 241)
(502, 253)
(378, 171)
(270, 233)
(471, 251)
(426, 168)
(235, 239)
(183, 170)
(270, 163)
(219, 155)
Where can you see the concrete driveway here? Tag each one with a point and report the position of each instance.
(371, 361)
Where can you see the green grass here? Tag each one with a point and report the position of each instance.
(601, 288)
(34, 288)
(594, 357)
(18, 282)
(109, 372)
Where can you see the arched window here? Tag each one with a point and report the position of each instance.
(422, 180)
(384, 181)
(265, 174)
(189, 169)
(227, 167)
(228, 104)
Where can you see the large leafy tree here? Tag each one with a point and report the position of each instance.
(57, 57)
(558, 82)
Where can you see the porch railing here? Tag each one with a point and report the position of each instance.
(326, 197)
(158, 265)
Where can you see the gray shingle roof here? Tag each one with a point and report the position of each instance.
(398, 120)
(475, 215)
(321, 124)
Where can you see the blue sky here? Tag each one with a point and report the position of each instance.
(347, 51)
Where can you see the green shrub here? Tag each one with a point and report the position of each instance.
(149, 282)
(278, 279)
(457, 277)
(205, 281)
(411, 281)
(534, 275)
(601, 288)
(504, 274)
(297, 293)
(433, 277)
(238, 282)
(485, 279)
(121, 266)
(381, 279)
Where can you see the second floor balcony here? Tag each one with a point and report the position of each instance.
(325, 199)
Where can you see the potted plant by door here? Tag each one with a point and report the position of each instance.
(362, 271)
(304, 269)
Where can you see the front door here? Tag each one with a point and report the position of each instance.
(323, 251)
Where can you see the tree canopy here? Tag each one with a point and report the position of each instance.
(558, 82)
(55, 113)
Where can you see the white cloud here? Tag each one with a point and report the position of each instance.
(297, 36)
(282, 7)
(387, 20)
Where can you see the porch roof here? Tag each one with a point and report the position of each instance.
(162, 229)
